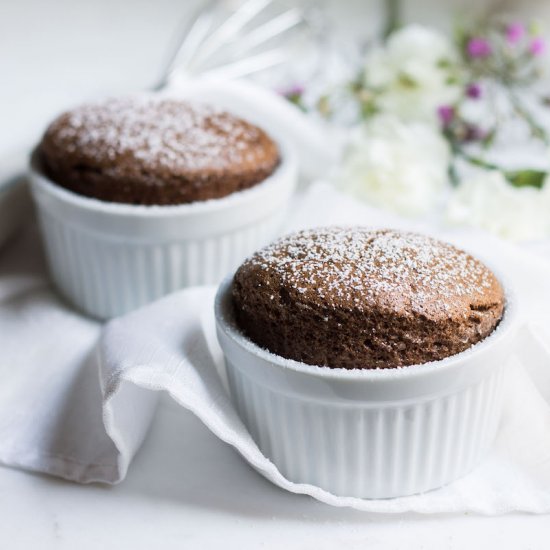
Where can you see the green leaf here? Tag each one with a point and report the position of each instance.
(527, 178)
(406, 81)
(368, 109)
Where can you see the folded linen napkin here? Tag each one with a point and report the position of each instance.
(77, 397)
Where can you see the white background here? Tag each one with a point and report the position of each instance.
(185, 489)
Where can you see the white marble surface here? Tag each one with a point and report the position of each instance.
(186, 489)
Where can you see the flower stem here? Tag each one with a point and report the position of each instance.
(516, 178)
(393, 16)
(536, 129)
(477, 161)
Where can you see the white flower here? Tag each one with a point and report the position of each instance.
(488, 202)
(413, 73)
(395, 165)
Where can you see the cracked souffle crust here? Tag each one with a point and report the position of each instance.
(149, 150)
(357, 298)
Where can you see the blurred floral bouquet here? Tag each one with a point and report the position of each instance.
(441, 122)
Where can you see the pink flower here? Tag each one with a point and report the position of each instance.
(537, 46)
(446, 114)
(473, 90)
(293, 91)
(478, 47)
(515, 32)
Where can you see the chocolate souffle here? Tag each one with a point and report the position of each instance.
(354, 298)
(151, 151)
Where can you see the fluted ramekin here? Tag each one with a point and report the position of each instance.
(369, 433)
(110, 258)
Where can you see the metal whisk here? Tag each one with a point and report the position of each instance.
(230, 39)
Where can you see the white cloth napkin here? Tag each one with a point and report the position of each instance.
(77, 398)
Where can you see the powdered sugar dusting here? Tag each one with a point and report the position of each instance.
(165, 133)
(352, 267)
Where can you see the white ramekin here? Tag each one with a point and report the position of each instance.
(368, 433)
(110, 258)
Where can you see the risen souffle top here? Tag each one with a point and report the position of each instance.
(146, 150)
(356, 298)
